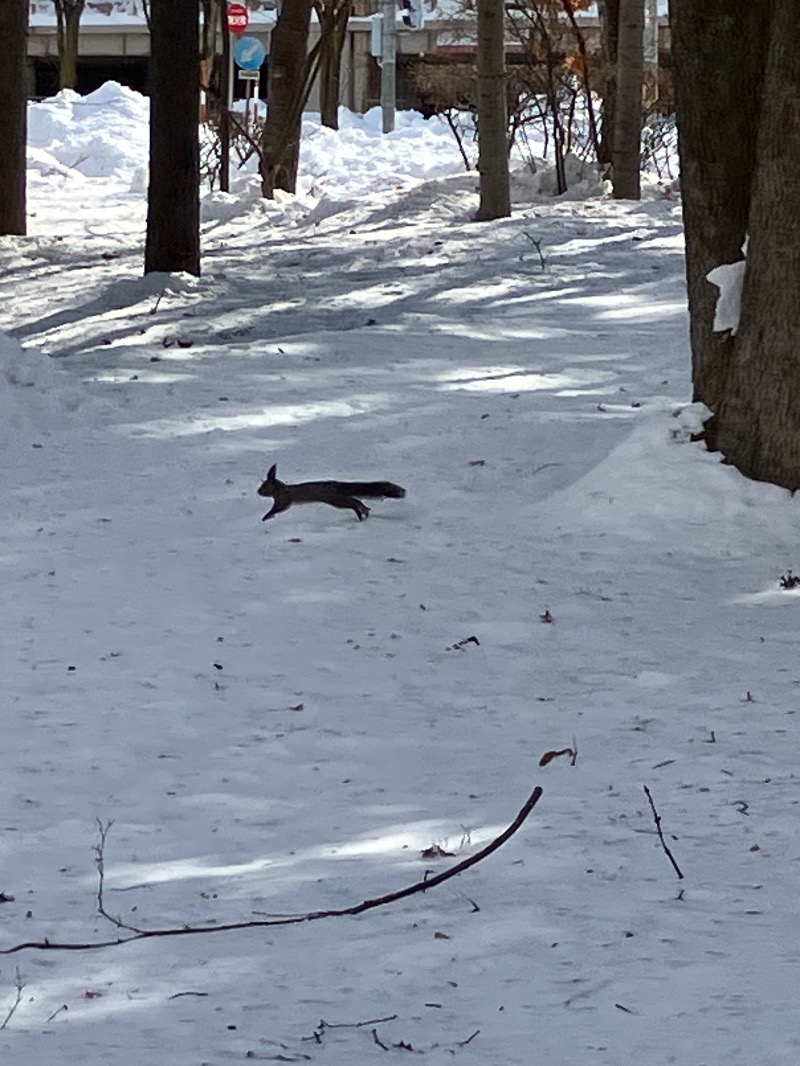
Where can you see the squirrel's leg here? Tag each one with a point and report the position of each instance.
(360, 508)
(277, 507)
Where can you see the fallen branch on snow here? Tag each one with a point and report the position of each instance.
(657, 819)
(137, 933)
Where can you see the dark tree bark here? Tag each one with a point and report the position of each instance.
(495, 191)
(68, 21)
(211, 13)
(717, 107)
(608, 11)
(173, 199)
(332, 16)
(289, 84)
(739, 128)
(758, 418)
(13, 115)
(627, 148)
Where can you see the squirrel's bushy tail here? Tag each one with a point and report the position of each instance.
(373, 490)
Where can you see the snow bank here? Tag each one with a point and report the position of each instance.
(36, 395)
(102, 135)
(639, 492)
(102, 140)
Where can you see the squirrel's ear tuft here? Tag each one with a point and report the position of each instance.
(272, 473)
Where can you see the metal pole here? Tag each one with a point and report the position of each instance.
(389, 64)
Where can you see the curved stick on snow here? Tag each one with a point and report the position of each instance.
(297, 919)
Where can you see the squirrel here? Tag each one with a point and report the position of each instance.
(335, 493)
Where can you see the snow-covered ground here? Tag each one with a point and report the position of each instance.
(280, 718)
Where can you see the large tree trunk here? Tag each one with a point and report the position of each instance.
(758, 418)
(739, 127)
(332, 16)
(13, 115)
(717, 105)
(173, 198)
(68, 22)
(289, 83)
(495, 192)
(608, 11)
(627, 150)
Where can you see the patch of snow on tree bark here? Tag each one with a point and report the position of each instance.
(729, 279)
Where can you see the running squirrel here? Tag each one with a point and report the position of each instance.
(335, 493)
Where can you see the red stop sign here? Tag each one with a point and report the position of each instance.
(238, 17)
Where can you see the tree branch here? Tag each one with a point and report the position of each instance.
(136, 933)
(657, 819)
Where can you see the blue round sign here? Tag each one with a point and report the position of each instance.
(249, 53)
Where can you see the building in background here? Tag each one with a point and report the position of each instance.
(114, 45)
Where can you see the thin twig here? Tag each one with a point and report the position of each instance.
(161, 296)
(297, 919)
(463, 1043)
(19, 984)
(316, 1036)
(664, 845)
(378, 1040)
(99, 861)
(537, 244)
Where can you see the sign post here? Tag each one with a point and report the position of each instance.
(238, 18)
(249, 54)
(234, 21)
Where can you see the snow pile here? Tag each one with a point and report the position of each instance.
(36, 395)
(344, 163)
(100, 143)
(102, 135)
(638, 492)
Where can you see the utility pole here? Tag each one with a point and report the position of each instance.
(389, 63)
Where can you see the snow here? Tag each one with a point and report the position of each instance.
(279, 718)
(729, 279)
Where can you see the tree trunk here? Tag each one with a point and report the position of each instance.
(173, 198)
(717, 106)
(211, 12)
(608, 11)
(332, 16)
(495, 192)
(13, 115)
(68, 22)
(758, 418)
(289, 84)
(739, 129)
(627, 151)
(224, 103)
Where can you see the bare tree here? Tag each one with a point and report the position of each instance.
(173, 198)
(332, 16)
(737, 82)
(68, 21)
(290, 76)
(628, 111)
(608, 11)
(13, 115)
(495, 191)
